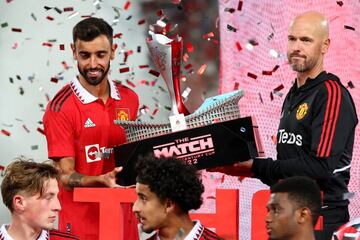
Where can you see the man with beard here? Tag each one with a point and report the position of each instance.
(293, 209)
(167, 190)
(80, 130)
(317, 126)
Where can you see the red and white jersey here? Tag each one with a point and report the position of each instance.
(4, 235)
(79, 125)
(198, 232)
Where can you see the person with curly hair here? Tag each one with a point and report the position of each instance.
(167, 190)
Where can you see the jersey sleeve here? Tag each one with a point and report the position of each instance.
(59, 134)
(332, 134)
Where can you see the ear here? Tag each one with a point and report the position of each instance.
(325, 46)
(19, 202)
(72, 45)
(113, 50)
(169, 206)
(303, 215)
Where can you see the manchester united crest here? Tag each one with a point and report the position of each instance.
(302, 111)
(122, 114)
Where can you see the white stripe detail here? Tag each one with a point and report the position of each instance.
(342, 169)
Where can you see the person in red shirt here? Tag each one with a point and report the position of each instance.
(167, 190)
(80, 130)
(30, 191)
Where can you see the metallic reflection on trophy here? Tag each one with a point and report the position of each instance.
(166, 54)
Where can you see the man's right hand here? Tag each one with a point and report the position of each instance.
(109, 179)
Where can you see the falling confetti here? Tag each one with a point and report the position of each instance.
(249, 74)
(349, 27)
(6, 133)
(231, 28)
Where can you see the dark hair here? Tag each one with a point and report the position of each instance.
(303, 192)
(27, 177)
(170, 178)
(90, 28)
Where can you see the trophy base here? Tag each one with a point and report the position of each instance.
(218, 144)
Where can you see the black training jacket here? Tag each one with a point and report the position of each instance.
(315, 138)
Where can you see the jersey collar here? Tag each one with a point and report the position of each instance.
(85, 97)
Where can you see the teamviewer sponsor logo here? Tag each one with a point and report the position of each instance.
(93, 153)
(188, 149)
(289, 138)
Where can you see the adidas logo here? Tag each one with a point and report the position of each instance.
(89, 123)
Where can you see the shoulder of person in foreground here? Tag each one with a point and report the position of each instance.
(59, 235)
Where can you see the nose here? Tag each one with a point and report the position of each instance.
(93, 62)
(57, 205)
(268, 218)
(135, 207)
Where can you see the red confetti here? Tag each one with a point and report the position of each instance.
(274, 139)
(208, 35)
(16, 29)
(155, 73)
(189, 47)
(275, 68)
(47, 44)
(15, 45)
(279, 88)
(2, 168)
(127, 5)
(349, 27)
(131, 84)
(50, 18)
(6, 133)
(159, 13)
(62, 47)
(144, 82)
(68, 9)
(340, 3)
(188, 66)
(231, 28)
(211, 197)
(40, 130)
(54, 80)
(238, 46)
(123, 70)
(251, 75)
(152, 83)
(240, 5)
(47, 97)
(222, 178)
(143, 66)
(155, 111)
(118, 35)
(26, 129)
(236, 86)
(230, 10)
(271, 96)
(202, 69)
(65, 65)
(268, 73)
(141, 21)
(261, 100)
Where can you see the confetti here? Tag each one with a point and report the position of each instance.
(236, 86)
(143, 66)
(26, 129)
(16, 29)
(11, 80)
(274, 139)
(73, 15)
(47, 44)
(117, 35)
(141, 21)
(186, 93)
(202, 69)
(68, 9)
(350, 85)
(160, 13)
(131, 84)
(185, 57)
(40, 130)
(5, 24)
(6, 133)
(62, 47)
(238, 46)
(188, 66)
(127, 5)
(340, 3)
(34, 147)
(156, 110)
(144, 109)
(230, 10)
(129, 17)
(21, 90)
(260, 97)
(274, 53)
(349, 27)
(240, 5)
(66, 67)
(54, 80)
(277, 90)
(58, 10)
(18, 77)
(208, 35)
(267, 73)
(138, 49)
(50, 18)
(189, 47)
(155, 73)
(123, 70)
(275, 68)
(271, 96)
(231, 28)
(47, 8)
(249, 74)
